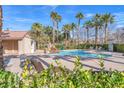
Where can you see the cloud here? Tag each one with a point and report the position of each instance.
(53, 7)
(89, 15)
(119, 14)
(118, 26)
(23, 19)
(50, 7)
(119, 19)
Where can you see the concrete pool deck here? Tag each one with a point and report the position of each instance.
(116, 62)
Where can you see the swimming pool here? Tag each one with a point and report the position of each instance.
(80, 53)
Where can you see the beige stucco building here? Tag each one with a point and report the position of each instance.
(18, 42)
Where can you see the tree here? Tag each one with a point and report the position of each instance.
(66, 28)
(58, 19)
(37, 33)
(97, 24)
(79, 16)
(73, 26)
(53, 16)
(87, 25)
(48, 31)
(107, 19)
(1, 46)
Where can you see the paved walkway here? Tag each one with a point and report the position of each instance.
(12, 63)
(116, 62)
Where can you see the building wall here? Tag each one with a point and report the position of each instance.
(10, 46)
(20, 47)
(26, 46)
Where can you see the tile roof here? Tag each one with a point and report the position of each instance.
(13, 35)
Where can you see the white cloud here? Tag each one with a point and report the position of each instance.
(119, 19)
(118, 26)
(23, 19)
(89, 15)
(119, 14)
(54, 7)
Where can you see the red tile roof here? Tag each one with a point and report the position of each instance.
(13, 35)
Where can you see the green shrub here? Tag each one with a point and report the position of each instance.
(104, 46)
(61, 77)
(59, 46)
(118, 48)
(8, 80)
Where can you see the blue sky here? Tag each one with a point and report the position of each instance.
(22, 17)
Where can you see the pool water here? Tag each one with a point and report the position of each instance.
(80, 53)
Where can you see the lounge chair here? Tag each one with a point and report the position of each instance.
(22, 60)
(123, 54)
(37, 64)
(100, 48)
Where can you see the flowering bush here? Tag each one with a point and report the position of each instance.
(61, 77)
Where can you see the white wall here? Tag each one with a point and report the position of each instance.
(20, 47)
(26, 46)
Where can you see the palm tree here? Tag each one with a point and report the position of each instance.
(36, 33)
(1, 46)
(79, 16)
(58, 19)
(53, 16)
(97, 24)
(66, 28)
(87, 25)
(73, 26)
(107, 19)
(48, 31)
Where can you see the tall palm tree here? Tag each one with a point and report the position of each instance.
(53, 16)
(97, 24)
(79, 16)
(66, 28)
(36, 33)
(58, 19)
(87, 25)
(73, 26)
(1, 46)
(107, 19)
(48, 31)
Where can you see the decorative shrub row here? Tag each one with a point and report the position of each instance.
(81, 46)
(119, 48)
(64, 78)
(116, 47)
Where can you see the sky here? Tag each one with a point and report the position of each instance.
(20, 17)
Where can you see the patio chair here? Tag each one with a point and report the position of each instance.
(37, 64)
(22, 60)
(100, 48)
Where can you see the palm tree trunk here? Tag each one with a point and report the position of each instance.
(87, 35)
(106, 36)
(66, 34)
(78, 34)
(73, 36)
(1, 45)
(57, 33)
(96, 37)
(53, 32)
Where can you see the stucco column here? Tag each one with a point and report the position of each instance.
(20, 47)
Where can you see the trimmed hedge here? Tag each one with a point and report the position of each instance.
(81, 46)
(118, 48)
(61, 77)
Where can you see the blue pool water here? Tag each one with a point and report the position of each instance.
(80, 53)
